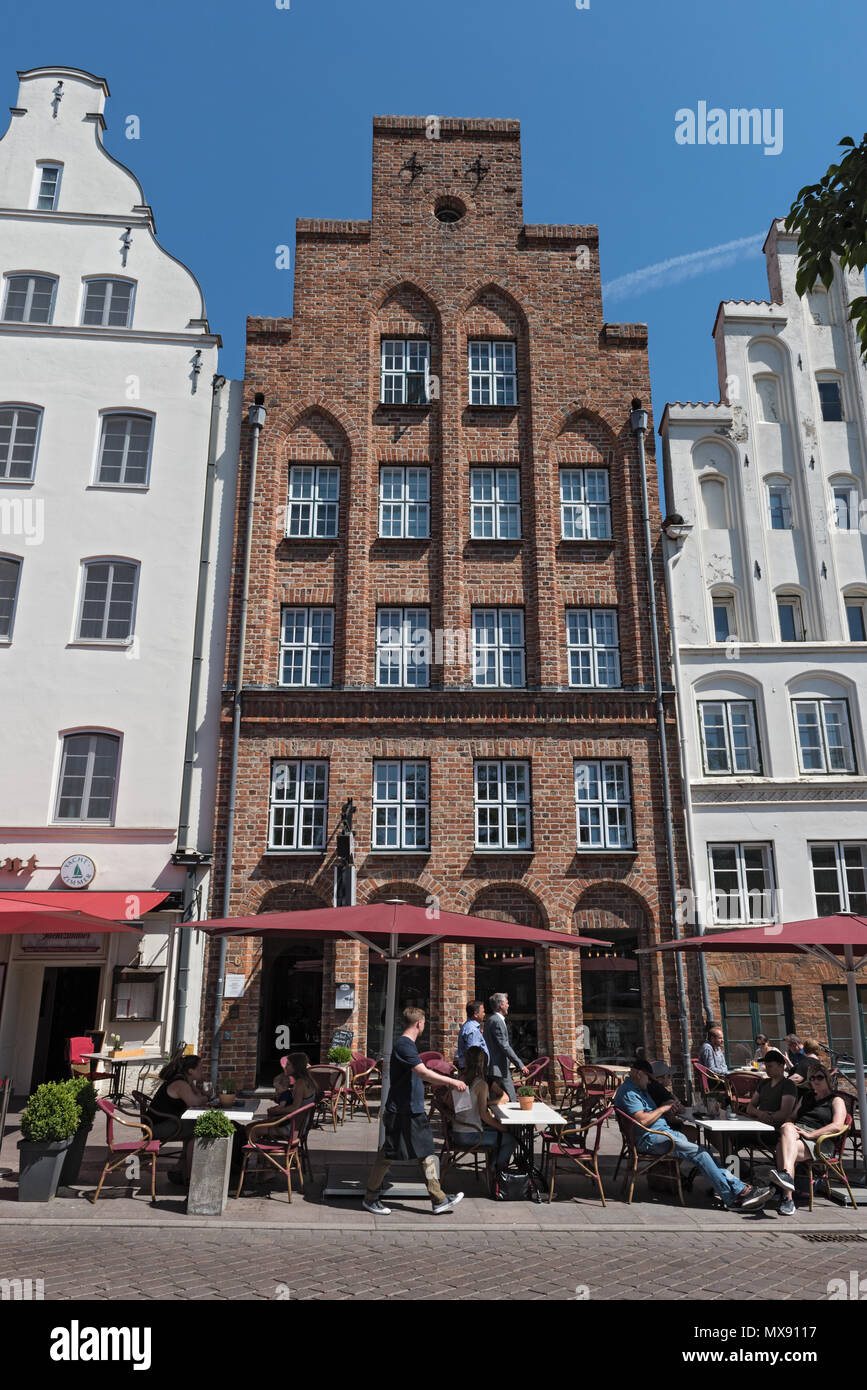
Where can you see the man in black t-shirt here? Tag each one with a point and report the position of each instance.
(774, 1099)
(407, 1129)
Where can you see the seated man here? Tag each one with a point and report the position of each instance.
(711, 1054)
(632, 1098)
(799, 1063)
(774, 1099)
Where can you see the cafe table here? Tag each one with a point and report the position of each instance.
(725, 1131)
(241, 1112)
(119, 1066)
(525, 1124)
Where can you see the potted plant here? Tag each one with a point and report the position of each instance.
(84, 1095)
(341, 1057)
(48, 1122)
(227, 1090)
(114, 1044)
(525, 1097)
(212, 1155)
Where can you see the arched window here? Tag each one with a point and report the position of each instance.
(10, 575)
(822, 718)
(845, 502)
(724, 613)
(46, 185)
(88, 776)
(19, 442)
(108, 600)
(29, 298)
(124, 450)
(714, 503)
(107, 303)
(778, 494)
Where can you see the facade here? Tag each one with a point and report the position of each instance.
(768, 579)
(447, 621)
(117, 459)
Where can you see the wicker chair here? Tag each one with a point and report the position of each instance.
(638, 1162)
(566, 1146)
(274, 1147)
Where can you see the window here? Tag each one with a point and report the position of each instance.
(839, 1020)
(742, 883)
(748, 1012)
(603, 805)
(791, 618)
(779, 506)
(306, 646)
(48, 186)
(88, 777)
(495, 504)
(405, 371)
(585, 504)
(845, 507)
(124, 450)
(29, 299)
(713, 501)
(313, 501)
(108, 601)
(401, 804)
(830, 400)
(593, 646)
(729, 740)
(10, 573)
(839, 878)
(403, 646)
(498, 646)
(724, 621)
(108, 303)
(824, 735)
(135, 994)
(299, 805)
(493, 373)
(19, 437)
(404, 502)
(855, 619)
(502, 797)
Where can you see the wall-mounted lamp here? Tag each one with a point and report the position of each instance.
(675, 528)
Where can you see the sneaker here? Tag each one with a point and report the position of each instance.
(752, 1198)
(376, 1208)
(448, 1204)
(781, 1178)
(787, 1208)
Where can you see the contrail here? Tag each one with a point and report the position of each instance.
(656, 277)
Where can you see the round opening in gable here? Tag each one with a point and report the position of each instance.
(449, 210)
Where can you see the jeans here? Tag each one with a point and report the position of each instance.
(502, 1145)
(721, 1180)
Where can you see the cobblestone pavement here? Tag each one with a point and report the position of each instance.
(279, 1264)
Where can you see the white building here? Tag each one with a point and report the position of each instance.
(768, 594)
(118, 456)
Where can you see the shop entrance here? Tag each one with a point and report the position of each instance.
(611, 992)
(291, 1010)
(413, 992)
(67, 1009)
(511, 970)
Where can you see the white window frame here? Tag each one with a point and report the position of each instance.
(822, 706)
(17, 561)
(603, 804)
(745, 895)
(577, 511)
(15, 407)
(401, 808)
(407, 622)
(505, 653)
(110, 281)
(830, 381)
(728, 726)
(311, 812)
(402, 510)
(798, 611)
(726, 601)
(593, 650)
(499, 378)
(395, 380)
(31, 276)
(321, 507)
(111, 561)
(774, 487)
(39, 179)
(842, 870)
(105, 417)
(514, 810)
(92, 735)
(491, 504)
(307, 647)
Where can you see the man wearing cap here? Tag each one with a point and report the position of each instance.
(775, 1098)
(657, 1084)
(633, 1099)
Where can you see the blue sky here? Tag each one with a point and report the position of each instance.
(252, 116)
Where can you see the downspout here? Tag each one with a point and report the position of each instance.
(256, 417)
(638, 421)
(685, 785)
(186, 854)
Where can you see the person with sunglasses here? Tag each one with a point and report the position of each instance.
(822, 1113)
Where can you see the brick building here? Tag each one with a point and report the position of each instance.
(448, 617)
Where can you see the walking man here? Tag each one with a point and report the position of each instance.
(471, 1033)
(500, 1049)
(407, 1129)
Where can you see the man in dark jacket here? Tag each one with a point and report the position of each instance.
(499, 1048)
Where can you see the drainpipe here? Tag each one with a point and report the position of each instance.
(638, 421)
(675, 529)
(256, 417)
(187, 854)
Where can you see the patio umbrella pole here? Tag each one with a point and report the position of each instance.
(857, 1049)
(390, 993)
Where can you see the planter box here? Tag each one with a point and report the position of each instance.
(74, 1155)
(39, 1168)
(209, 1180)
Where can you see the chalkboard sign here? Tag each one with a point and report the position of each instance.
(342, 1037)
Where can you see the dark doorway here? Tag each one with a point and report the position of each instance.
(611, 993)
(413, 992)
(291, 1013)
(507, 970)
(67, 1009)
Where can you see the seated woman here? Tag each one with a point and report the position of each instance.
(299, 1088)
(282, 1084)
(479, 1114)
(181, 1090)
(823, 1113)
(762, 1047)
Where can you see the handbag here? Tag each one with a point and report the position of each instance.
(511, 1187)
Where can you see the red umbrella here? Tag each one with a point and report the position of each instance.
(840, 940)
(17, 916)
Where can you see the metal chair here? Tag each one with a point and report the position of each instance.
(147, 1146)
(828, 1162)
(329, 1082)
(572, 1082)
(585, 1158)
(428, 1057)
(742, 1090)
(712, 1083)
(74, 1050)
(537, 1076)
(451, 1153)
(643, 1162)
(363, 1074)
(289, 1146)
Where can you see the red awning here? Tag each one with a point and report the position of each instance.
(124, 907)
(57, 913)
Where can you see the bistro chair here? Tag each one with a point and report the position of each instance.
(569, 1146)
(330, 1082)
(639, 1163)
(75, 1049)
(428, 1057)
(444, 1068)
(712, 1085)
(573, 1085)
(363, 1073)
(146, 1146)
(742, 1089)
(274, 1147)
(829, 1161)
(537, 1077)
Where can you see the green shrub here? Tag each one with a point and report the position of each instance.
(84, 1094)
(340, 1056)
(51, 1114)
(214, 1125)
(524, 1091)
(229, 1085)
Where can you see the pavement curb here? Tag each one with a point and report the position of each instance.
(384, 1225)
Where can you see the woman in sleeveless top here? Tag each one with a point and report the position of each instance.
(180, 1091)
(479, 1114)
(822, 1113)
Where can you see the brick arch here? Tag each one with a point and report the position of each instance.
(466, 298)
(283, 420)
(611, 906)
(567, 422)
(281, 897)
(493, 309)
(411, 892)
(405, 298)
(509, 902)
